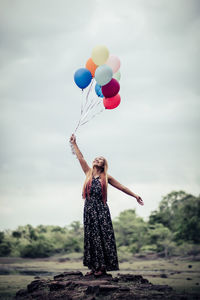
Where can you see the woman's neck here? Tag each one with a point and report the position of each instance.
(96, 172)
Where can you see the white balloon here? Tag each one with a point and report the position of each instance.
(103, 75)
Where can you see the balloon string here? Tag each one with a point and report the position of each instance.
(82, 110)
(82, 101)
(92, 105)
(89, 90)
(93, 116)
(77, 126)
(86, 108)
(89, 106)
(82, 117)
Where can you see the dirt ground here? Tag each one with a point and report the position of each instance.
(182, 274)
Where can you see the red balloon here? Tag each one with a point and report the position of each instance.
(111, 88)
(113, 102)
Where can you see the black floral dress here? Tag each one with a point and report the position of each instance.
(99, 240)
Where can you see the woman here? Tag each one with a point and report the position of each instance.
(100, 253)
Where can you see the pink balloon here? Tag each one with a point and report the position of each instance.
(113, 62)
(111, 88)
(111, 103)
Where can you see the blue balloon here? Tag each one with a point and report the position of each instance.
(82, 78)
(98, 90)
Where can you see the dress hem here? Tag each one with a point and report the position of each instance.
(107, 268)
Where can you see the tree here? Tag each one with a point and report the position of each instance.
(130, 230)
(76, 227)
(5, 248)
(160, 236)
(187, 226)
(41, 248)
(16, 234)
(180, 212)
(2, 236)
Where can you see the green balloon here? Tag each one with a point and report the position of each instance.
(117, 75)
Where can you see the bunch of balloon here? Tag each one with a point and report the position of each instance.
(102, 69)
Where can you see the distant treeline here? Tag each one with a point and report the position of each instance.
(173, 229)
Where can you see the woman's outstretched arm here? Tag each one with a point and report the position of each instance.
(124, 189)
(79, 155)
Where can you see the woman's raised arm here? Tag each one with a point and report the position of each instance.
(124, 189)
(79, 155)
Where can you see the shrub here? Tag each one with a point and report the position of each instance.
(37, 249)
(72, 245)
(5, 248)
(149, 248)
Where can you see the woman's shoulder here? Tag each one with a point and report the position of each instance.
(109, 177)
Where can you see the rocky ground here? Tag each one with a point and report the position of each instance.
(76, 286)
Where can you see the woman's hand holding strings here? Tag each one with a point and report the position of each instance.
(72, 139)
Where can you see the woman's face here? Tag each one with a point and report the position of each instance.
(99, 162)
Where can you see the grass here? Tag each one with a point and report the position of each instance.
(182, 275)
(10, 284)
(175, 272)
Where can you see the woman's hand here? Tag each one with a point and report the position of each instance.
(139, 200)
(73, 139)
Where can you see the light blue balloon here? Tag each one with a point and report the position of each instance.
(82, 77)
(103, 75)
(98, 90)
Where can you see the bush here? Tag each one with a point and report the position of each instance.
(149, 248)
(124, 254)
(2, 236)
(37, 249)
(133, 248)
(72, 245)
(187, 249)
(16, 234)
(5, 248)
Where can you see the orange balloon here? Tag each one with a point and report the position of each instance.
(91, 66)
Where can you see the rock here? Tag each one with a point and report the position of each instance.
(22, 293)
(160, 287)
(76, 286)
(163, 275)
(92, 289)
(57, 285)
(108, 288)
(92, 282)
(63, 259)
(124, 288)
(35, 285)
(67, 274)
(130, 277)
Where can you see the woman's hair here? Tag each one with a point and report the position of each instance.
(103, 179)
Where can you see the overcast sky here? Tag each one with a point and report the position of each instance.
(151, 141)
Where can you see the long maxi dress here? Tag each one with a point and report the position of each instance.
(99, 239)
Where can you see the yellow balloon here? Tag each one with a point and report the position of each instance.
(100, 55)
